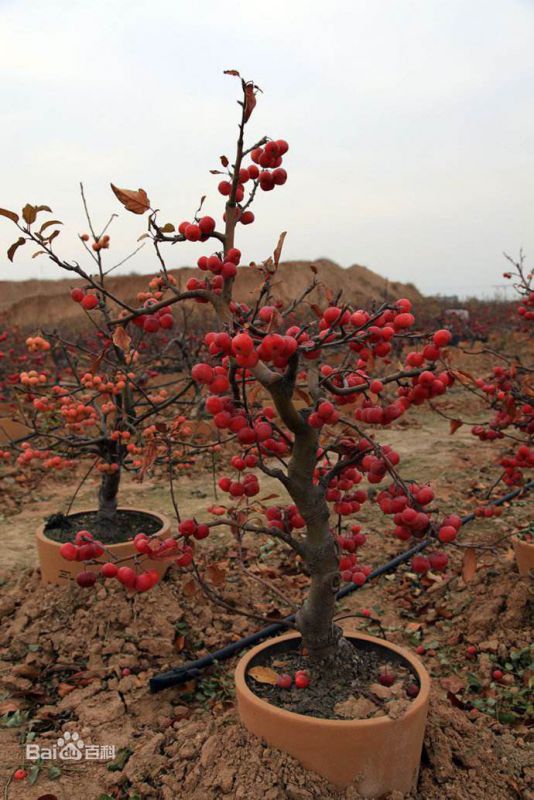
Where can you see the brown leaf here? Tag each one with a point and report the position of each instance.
(190, 588)
(278, 252)
(263, 675)
(216, 575)
(50, 222)
(224, 161)
(9, 214)
(233, 72)
(453, 683)
(8, 707)
(39, 253)
(250, 100)
(135, 201)
(121, 339)
(29, 213)
(42, 208)
(313, 269)
(179, 643)
(469, 564)
(65, 688)
(168, 228)
(14, 247)
(454, 425)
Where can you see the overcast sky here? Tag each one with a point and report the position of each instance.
(410, 124)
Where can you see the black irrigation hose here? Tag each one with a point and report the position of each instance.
(193, 669)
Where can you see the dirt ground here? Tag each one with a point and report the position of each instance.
(64, 652)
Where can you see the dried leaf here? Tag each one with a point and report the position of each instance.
(469, 564)
(135, 201)
(121, 339)
(278, 252)
(216, 575)
(42, 208)
(179, 643)
(8, 707)
(50, 222)
(454, 425)
(29, 213)
(263, 675)
(216, 172)
(9, 214)
(250, 100)
(224, 161)
(64, 689)
(233, 72)
(190, 588)
(39, 253)
(313, 269)
(168, 228)
(14, 247)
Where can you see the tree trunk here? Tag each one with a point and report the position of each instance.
(107, 497)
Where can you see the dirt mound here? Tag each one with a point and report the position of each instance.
(80, 662)
(43, 302)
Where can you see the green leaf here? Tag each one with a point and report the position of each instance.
(33, 774)
(122, 757)
(9, 214)
(54, 773)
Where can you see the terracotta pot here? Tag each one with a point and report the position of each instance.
(376, 756)
(524, 555)
(54, 568)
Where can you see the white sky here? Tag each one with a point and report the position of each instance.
(410, 124)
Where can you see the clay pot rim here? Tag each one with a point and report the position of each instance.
(282, 713)
(165, 525)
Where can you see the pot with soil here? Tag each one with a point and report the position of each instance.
(116, 536)
(524, 552)
(359, 723)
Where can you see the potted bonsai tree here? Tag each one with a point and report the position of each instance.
(301, 392)
(101, 396)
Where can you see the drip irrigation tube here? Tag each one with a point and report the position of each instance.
(193, 669)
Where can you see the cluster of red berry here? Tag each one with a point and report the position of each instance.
(301, 680)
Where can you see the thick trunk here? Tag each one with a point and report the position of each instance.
(107, 496)
(315, 618)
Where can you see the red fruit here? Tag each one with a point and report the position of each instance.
(412, 690)
(420, 564)
(225, 187)
(302, 680)
(284, 681)
(68, 551)
(282, 146)
(233, 254)
(359, 578)
(144, 582)
(182, 226)
(206, 225)
(86, 579)
(187, 527)
(109, 570)
(247, 217)
(442, 338)
(20, 774)
(420, 650)
(497, 674)
(166, 321)
(89, 302)
(471, 651)
(151, 324)
(126, 576)
(386, 678)
(83, 536)
(193, 233)
(242, 344)
(447, 534)
(279, 176)
(425, 495)
(77, 295)
(201, 532)
(202, 373)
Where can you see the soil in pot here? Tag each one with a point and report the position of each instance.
(61, 528)
(372, 682)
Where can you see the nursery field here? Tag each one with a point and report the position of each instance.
(190, 456)
(79, 661)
